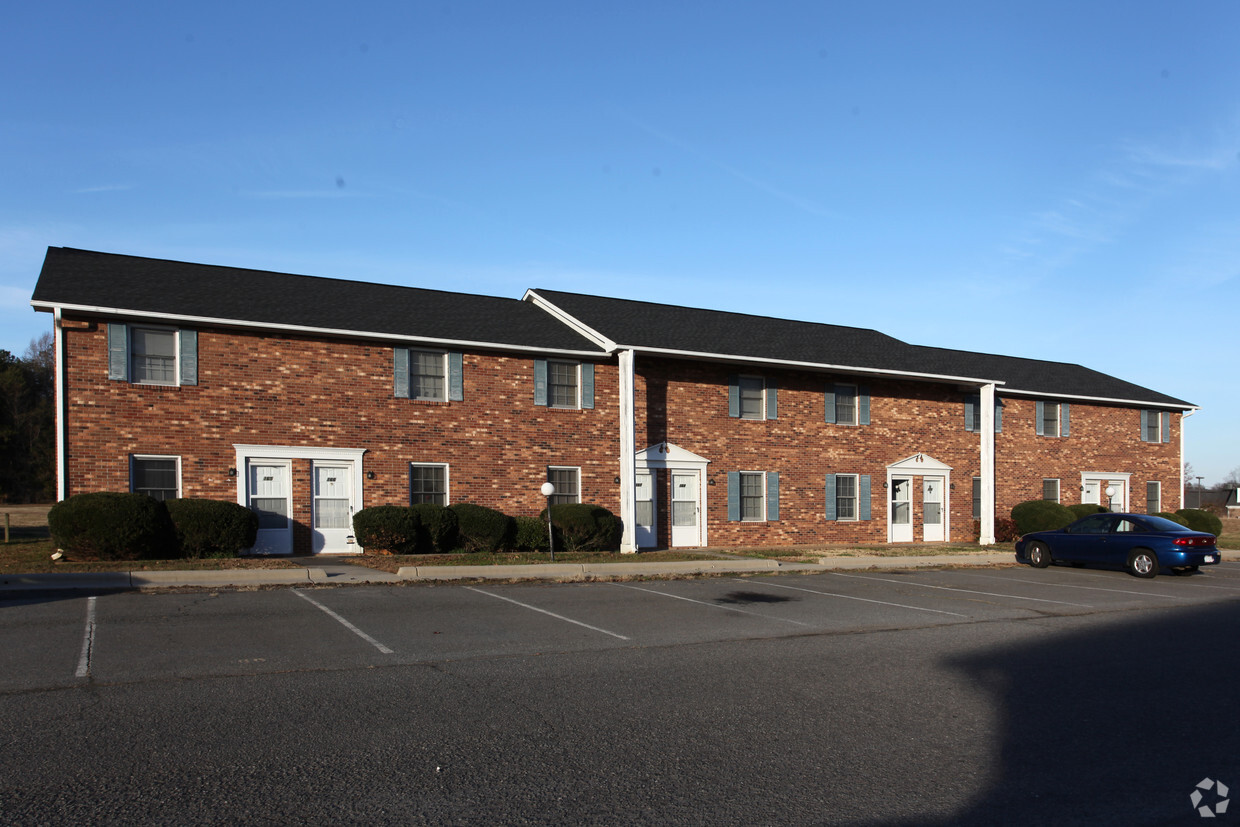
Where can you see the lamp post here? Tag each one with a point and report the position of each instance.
(547, 490)
(1199, 479)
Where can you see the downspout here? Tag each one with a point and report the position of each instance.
(986, 533)
(1185, 416)
(62, 460)
(628, 453)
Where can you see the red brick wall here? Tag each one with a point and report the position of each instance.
(294, 391)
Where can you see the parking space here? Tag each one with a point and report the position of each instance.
(134, 636)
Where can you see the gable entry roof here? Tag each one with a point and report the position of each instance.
(546, 321)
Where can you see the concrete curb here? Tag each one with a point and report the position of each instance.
(226, 577)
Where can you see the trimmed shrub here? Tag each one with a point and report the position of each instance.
(584, 527)
(440, 528)
(212, 528)
(1005, 530)
(113, 526)
(1175, 518)
(1040, 515)
(393, 529)
(481, 528)
(531, 533)
(1199, 520)
(1080, 510)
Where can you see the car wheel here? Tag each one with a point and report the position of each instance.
(1039, 555)
(1142, 563)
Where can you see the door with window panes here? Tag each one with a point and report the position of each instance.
(269, 499)
(332, 508)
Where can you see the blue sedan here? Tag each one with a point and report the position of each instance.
(1141, 543)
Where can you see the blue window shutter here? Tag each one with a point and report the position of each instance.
(969, 404)
(189, 356)
(456, 377)
(540, 382)
(118, 352)
(1145, 424)
(831, 404)
(587, 384)
(998, 417)
(734, 396)
(830, 509)
(1040, 411)
(863, 496)
(863, 405)
(734, 496)
(400, 372)
(772, 400)
(1063, 419)
(1166, 426)
(772, 496)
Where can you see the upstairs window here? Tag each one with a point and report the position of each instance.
(152, 355)
(973, 414)
(752, 397)
(847, 404)
(1155, 426)
(1052, 419)
(564, 384)
(428, 375)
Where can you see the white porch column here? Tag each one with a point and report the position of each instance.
(987, 533)
(628, 453)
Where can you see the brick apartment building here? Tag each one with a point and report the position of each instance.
(308, 398)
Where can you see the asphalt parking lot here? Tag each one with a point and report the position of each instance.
(874, 697)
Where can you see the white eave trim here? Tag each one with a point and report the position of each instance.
(819, 366)
(570, 321)
(322, 331)
(1104, 399)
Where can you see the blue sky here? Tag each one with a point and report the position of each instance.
(1057, 180)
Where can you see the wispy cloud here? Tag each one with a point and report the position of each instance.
(303, 194)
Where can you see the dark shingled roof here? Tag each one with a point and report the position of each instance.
(645, 325)
(182, 290)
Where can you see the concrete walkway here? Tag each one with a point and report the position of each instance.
(319, 571)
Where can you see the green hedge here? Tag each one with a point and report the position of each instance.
(1080, 510)
(212, 528)
(1040, 515)
(440, 528)
(113, 526)
(483, 529)
(531, 533)
(585, 527)
(388, 528)
(1175, 518)
(1199, 520)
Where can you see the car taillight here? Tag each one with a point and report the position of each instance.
(1194, 541)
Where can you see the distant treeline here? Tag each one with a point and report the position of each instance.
(28, 424)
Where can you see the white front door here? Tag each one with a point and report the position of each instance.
(1115, 495)
(686, 509)
(932, 509)
(269, 498)
(901, 510)
(1090, 492)
(332, 509)
(645, 534)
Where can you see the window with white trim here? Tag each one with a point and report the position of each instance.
(567, 482)
(428, 483)
(1153, 497)
(1051, 419)
(155, 476)
(152, 355)
(1050, 490)
(563, 381)
(977, 498)
(753, 496)
(846, 497)
(1155, 426)
(428, 374)
(845, 405)
(752, 391)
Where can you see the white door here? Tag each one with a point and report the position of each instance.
(332, 509)
(901, 510)
(686, 509)
(1115, 495)
(268, 491)
(645, 533)
(932, 509)
(1090, 493)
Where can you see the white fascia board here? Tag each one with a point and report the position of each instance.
(1104, 399)
(571, 321)
(820, 366)
(318, 331)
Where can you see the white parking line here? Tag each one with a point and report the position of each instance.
(88, 640)
(712, 605)
(1069, 586)
(544, 611)
(346, 624)
(966, 591)
(851, 597)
